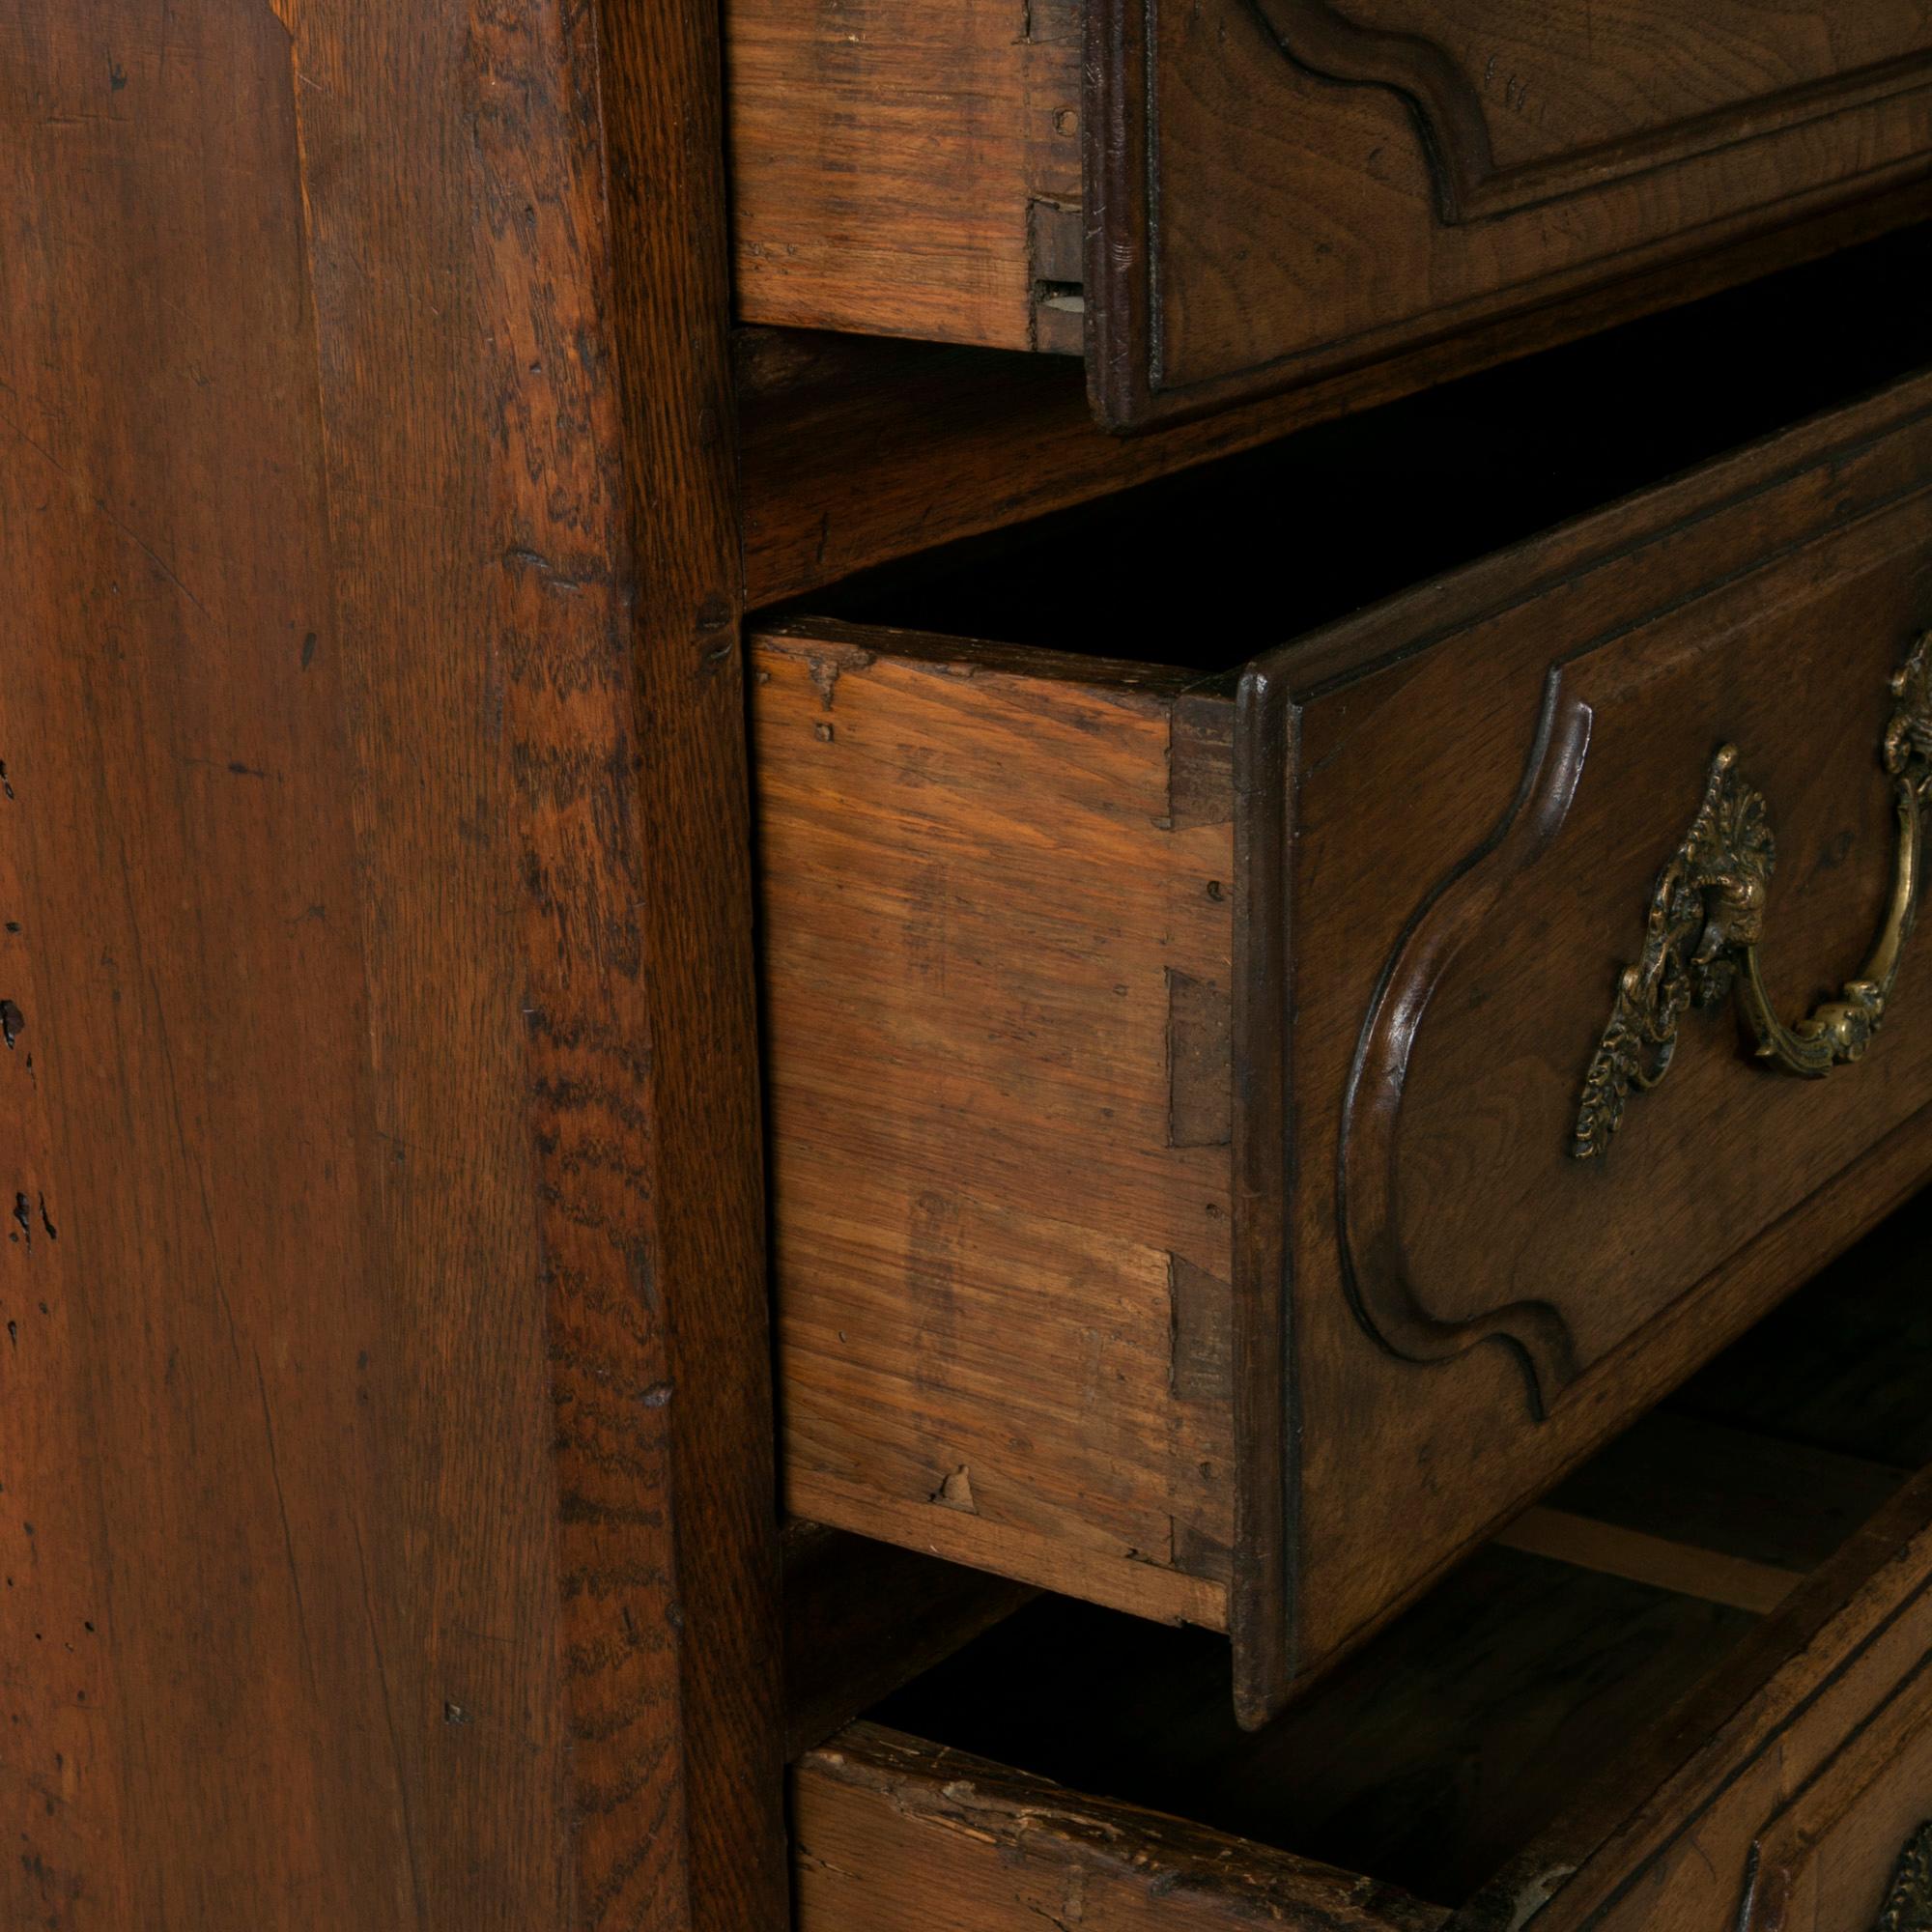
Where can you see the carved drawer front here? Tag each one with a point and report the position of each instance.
(1235, 1141)
(1229, 197)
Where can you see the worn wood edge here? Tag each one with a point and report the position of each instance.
(1685, 1569)
(1668, 269)
(856, 647)
(1262, 1679)
(911, 448)
(1265, 1589)
(1656, 1790)
(1674, 1768)
(1409, 623)
(1016, 1817)
(1115, 137)
(1029, 1556)
(659, 99)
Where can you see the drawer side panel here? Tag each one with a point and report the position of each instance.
(995, 953)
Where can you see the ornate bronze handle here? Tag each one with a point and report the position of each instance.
(1908, 1904)
(1707, 915)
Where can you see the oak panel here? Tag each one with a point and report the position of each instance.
(345, 1440)
(1002, 1225)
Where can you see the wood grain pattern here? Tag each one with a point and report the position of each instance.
(1519, 104)
(976, 909)
(896, 1835)
(1423, 1761)
(662, 108)
(1794, 1723)
(339, 1458)
(907, 169)
(204, 1465)
(1240, 225)
(1821, 588)
(1711, 1760)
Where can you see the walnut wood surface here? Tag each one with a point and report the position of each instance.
(909, 167)
(348, 1454)
(1820, 1714)
(896, 1836)
(1802, 571)
(1261, 224)
(1531, 101)
(663, 121)
(1425, 1761)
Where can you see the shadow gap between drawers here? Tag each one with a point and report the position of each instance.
(1256, 549)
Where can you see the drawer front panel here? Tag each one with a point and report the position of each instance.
(1853, 1850)
(1479, 831)
(1478, 157)
(1805, 1806)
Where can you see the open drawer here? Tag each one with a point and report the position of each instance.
(1213, 1171)
(1714, 1708)
(1226, 198)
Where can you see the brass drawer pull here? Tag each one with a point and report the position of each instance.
(1908, 1903)
(1707, 917)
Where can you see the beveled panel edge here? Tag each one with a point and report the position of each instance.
(1265, 1585)
(1376, 1274)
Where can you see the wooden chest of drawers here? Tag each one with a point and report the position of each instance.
(1214, 1171)
(1192, 915)
(1220, 199)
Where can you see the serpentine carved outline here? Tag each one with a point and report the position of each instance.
(1447, 106)
(1375, 1265)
